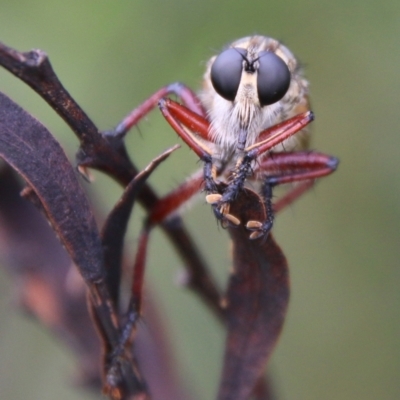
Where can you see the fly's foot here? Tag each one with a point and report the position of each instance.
(221, 210)
(232, 219)
(259, 229)
(213, 198)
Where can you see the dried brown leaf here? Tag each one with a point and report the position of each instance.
(257, 299)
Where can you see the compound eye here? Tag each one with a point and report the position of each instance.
(273, 78)
(226, 72)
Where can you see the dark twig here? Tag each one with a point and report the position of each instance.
(110, 157)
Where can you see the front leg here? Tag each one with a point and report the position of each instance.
(194, 130)
(284, 168)
(262, 228)
(267, 140)
(181, 91)
(221, 200)
(216, 194)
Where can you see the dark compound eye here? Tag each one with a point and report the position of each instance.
(227, 71)
(273, 78)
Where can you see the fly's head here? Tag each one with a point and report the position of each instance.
(253, 84)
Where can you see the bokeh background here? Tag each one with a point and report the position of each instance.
(342, 335)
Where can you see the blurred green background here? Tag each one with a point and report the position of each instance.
(342, 335)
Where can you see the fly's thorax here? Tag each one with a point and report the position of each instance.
(228, 119)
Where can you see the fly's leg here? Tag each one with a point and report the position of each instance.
(292, 195)
(262, 228)
(134, 310)
(221, 201)
(182, 92)
(287, 167)
(268, 139)
(190, 127)
(198, 279)
(282, 168)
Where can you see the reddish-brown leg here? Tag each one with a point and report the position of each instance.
(174, 200)
(186, 95)
(162, 209)
(269, 138)
(286, 167)
(302, 167)
(133, 312)
(187, 123)
(179, 116)
(292, 195)
(278, 133)
(195, 122)
(281, 168)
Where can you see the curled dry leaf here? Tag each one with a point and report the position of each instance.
(32, 151)
(257, 298)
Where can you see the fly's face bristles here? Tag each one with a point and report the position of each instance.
(255, 83)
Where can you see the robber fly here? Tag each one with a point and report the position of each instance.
(249, 125)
